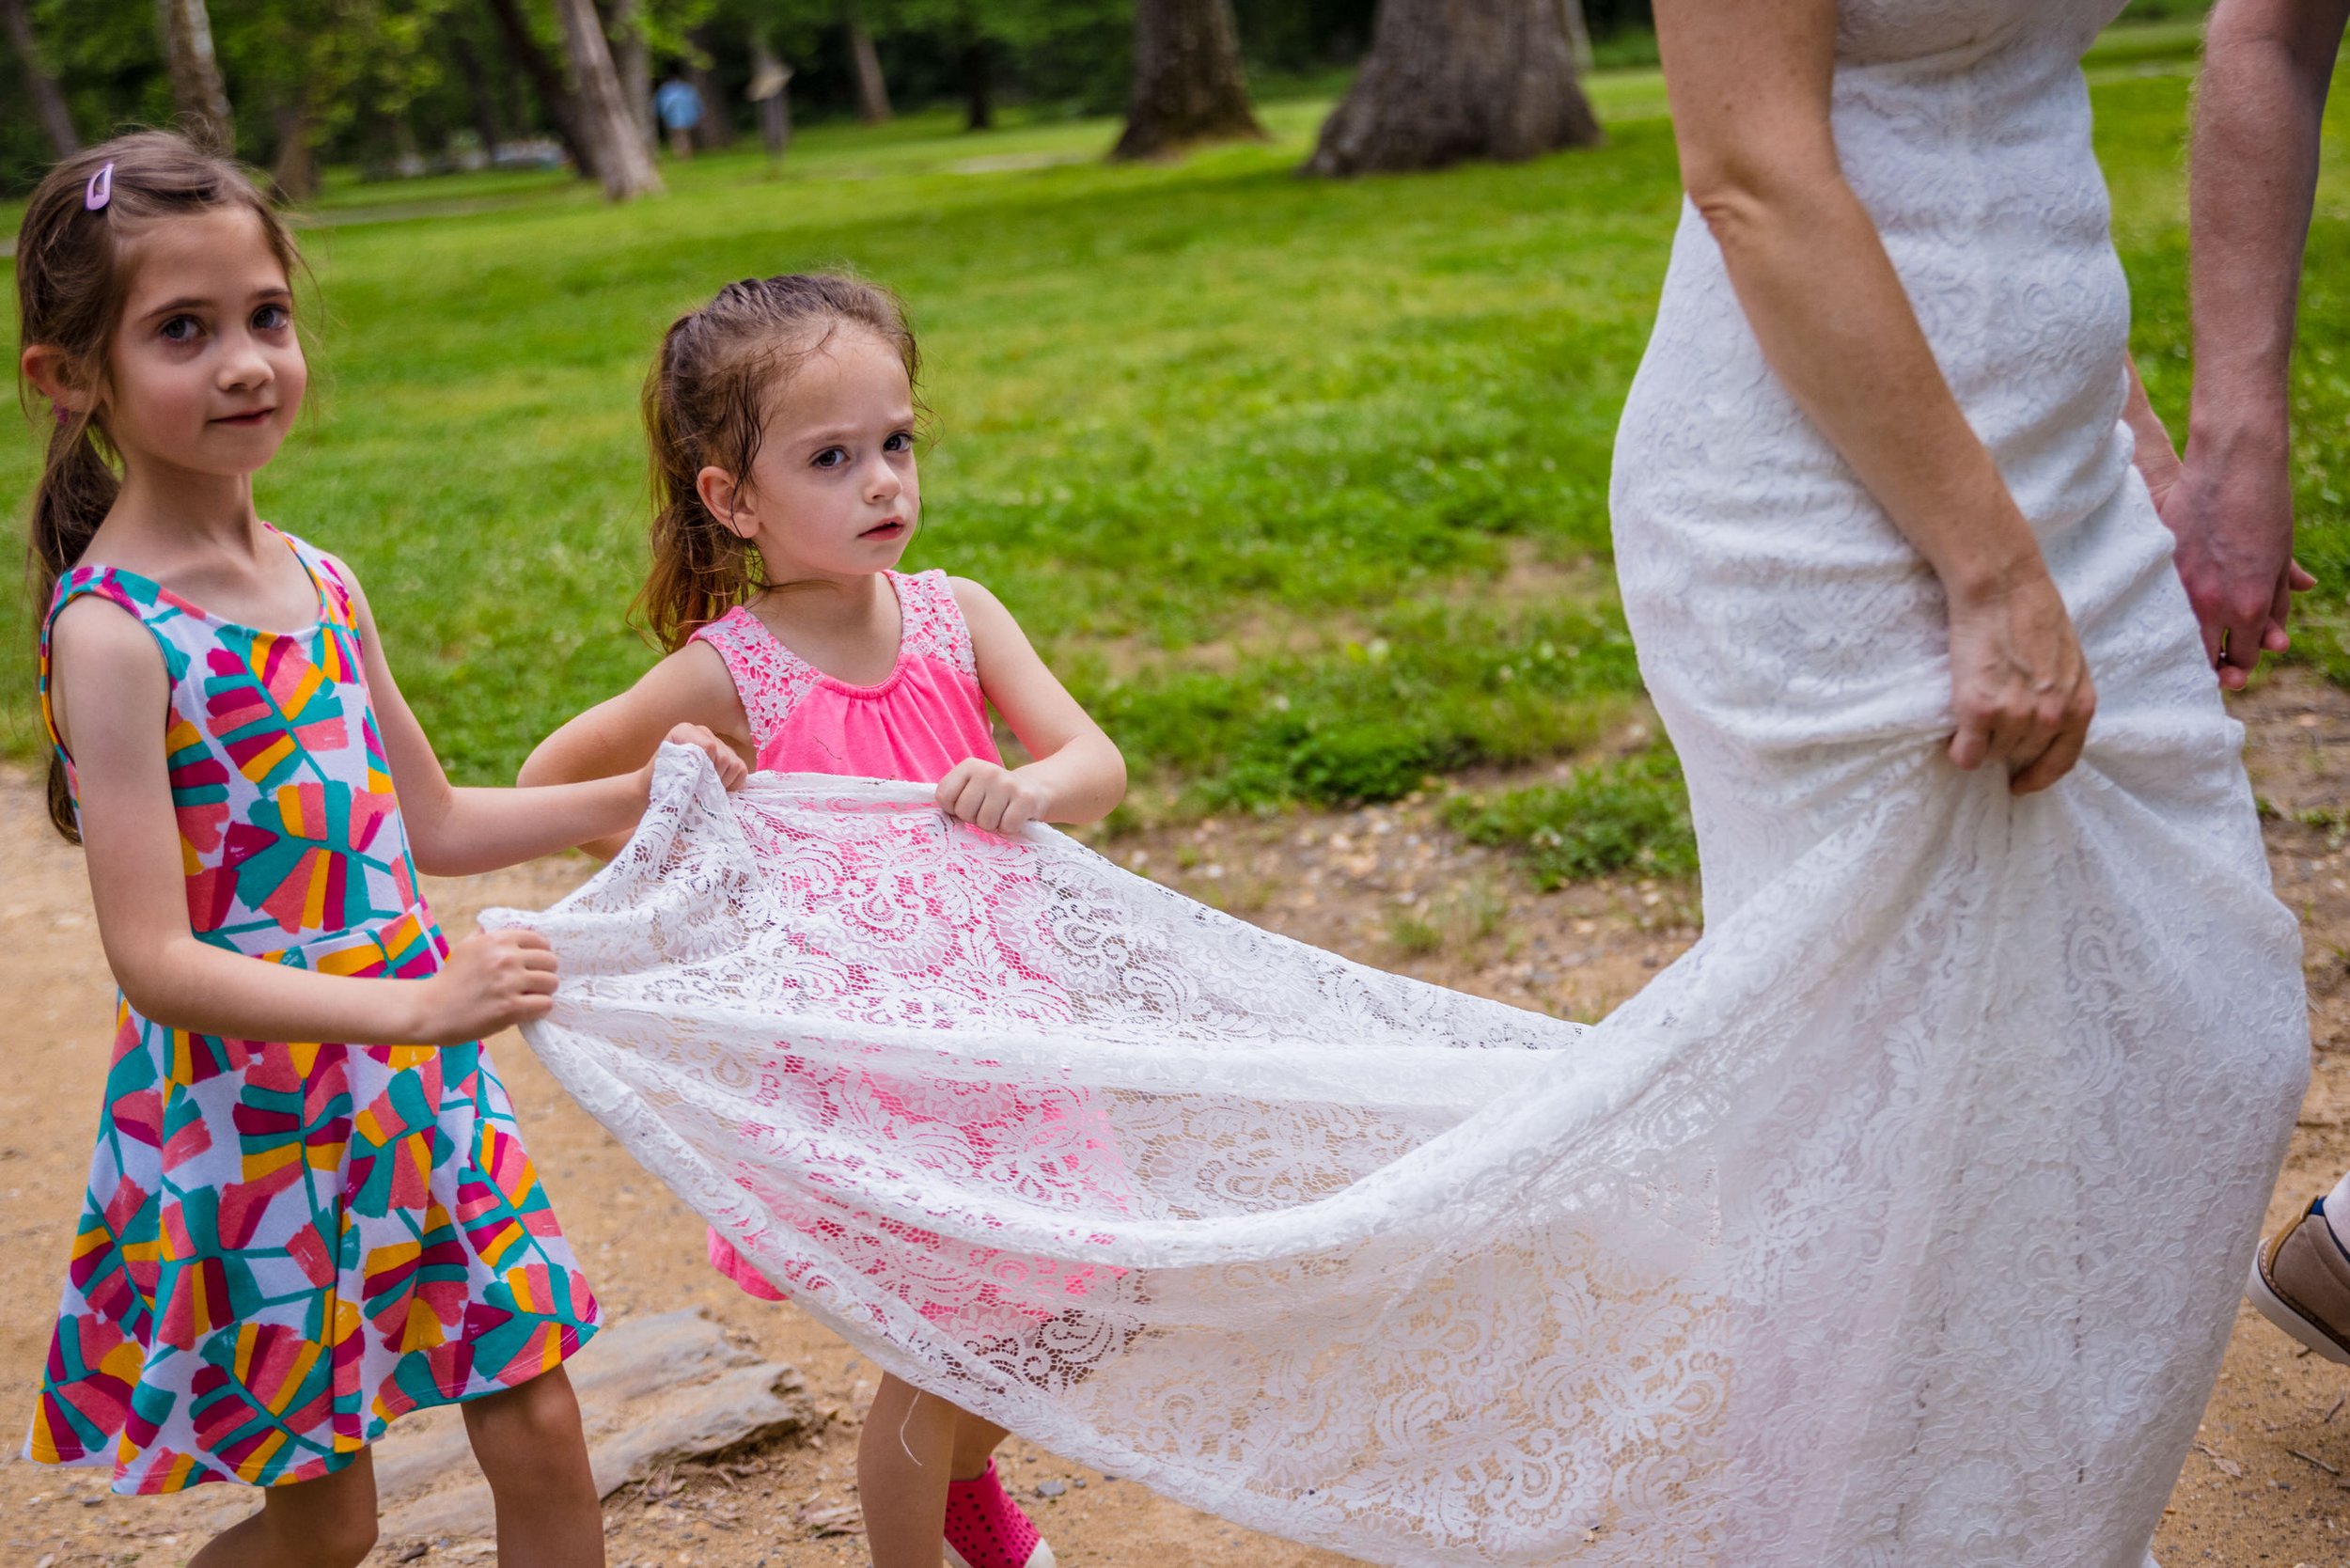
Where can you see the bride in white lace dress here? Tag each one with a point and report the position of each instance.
(1899, 1225)
(1839, 540)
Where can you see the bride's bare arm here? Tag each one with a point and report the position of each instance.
(1749, 85)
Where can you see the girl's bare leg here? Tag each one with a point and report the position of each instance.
(902, 1460)
(975, 1445)
(530, 1447)
(326, 1523)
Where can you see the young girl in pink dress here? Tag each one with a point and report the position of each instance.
(782, 422)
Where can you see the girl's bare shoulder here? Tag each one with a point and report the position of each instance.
(96, 630)
(987, 617)
(690, 684)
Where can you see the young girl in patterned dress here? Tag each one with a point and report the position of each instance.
(782, 422)
(284, 1244)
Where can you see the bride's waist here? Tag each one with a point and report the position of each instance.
(2031, 338)
(1967, 274)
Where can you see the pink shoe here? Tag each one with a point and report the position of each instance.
(985, 1528)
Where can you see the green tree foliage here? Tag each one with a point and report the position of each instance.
(387, 84)
(108, 58)
(313, 74)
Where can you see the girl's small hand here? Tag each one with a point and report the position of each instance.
(731, 772)
(491, 978)
(990, 795)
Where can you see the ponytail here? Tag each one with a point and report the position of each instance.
(77, 488)
(701, 567)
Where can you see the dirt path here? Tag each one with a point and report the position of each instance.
(2270, 1483)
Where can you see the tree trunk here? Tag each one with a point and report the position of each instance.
(976, 65)
(48, 99)
(1188, 85)
(770, 90)
(1452, 80)
(716, 129)
(294, 169)
(632, 55)
(478, 96)
(555, 94)
(616, 148)
(872, 93)
(196, 86)
(1579, 35)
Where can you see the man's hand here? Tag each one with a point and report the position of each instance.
(2234, 523)
(2260, 106)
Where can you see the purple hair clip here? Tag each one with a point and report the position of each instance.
(101, 188)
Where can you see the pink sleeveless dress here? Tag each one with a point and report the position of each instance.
(926, 716)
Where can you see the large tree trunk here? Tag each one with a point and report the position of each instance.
(1450, 80)
(294, 169)
(632, 56)
(48, 99)
(872, 93)
(197, 90)
(1188, 86)
(770, 90)
(555, 94)
(616, 148)
(1578, 33)
(976, 64)
(716, 129)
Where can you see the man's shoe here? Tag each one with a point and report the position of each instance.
(2301, 1283)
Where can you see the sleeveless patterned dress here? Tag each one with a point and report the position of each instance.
(284, 1245)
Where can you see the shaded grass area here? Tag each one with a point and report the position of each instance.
(1301, 485)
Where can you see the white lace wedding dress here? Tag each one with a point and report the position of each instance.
(1900, 1224)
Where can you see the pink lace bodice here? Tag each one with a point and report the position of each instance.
(926, 716)
(920, 720)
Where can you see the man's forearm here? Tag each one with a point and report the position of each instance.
(2267, 66)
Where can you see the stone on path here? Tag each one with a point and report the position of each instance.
(653, 1391)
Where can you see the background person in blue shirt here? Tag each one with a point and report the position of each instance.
(680, 110)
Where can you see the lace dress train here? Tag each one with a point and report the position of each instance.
(1898, 1224)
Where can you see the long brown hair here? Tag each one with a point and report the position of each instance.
(71, 278)
(706, 405)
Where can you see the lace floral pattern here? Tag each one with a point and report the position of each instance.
(769, 677)
(935, 627)
(772, 680)
(2012, 1215)
(1898, 1224)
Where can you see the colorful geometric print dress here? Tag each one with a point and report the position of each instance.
(285, 1246)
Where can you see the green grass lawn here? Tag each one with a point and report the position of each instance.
(1301, 485)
